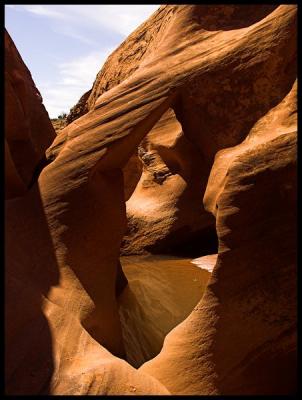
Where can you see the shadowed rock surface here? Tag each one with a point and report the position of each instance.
(200, 104)
(177, 155)
(28, 130)
(248, 313)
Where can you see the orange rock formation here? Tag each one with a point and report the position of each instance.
(204, 96)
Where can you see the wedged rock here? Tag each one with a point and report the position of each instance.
(241, 338)
(28, 130)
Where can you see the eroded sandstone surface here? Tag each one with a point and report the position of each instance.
(248, 312)
(189, 129)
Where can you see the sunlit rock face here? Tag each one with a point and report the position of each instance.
(212, 111)
(190, 130)
(248, 312)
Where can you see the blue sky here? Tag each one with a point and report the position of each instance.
(64, 46)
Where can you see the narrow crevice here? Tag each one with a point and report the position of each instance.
(38, 169)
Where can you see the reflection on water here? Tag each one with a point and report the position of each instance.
(162, 292)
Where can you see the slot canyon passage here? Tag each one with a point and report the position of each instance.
(150, 244)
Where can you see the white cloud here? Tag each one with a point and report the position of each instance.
(68, 30)
(56, 98)
(84, 69)
(75, 78)
(119, 18)
(46, 11)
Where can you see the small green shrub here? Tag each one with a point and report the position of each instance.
(63, 115)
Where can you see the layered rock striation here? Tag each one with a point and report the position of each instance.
(173, 173)
(241, 338)
(204, 96)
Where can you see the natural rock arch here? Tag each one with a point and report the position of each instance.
(83, 200)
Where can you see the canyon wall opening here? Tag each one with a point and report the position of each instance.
(170, 245)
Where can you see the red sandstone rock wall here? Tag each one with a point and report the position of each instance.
(234, 96)
(228, 73)
(28, 131)
(241, 338)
